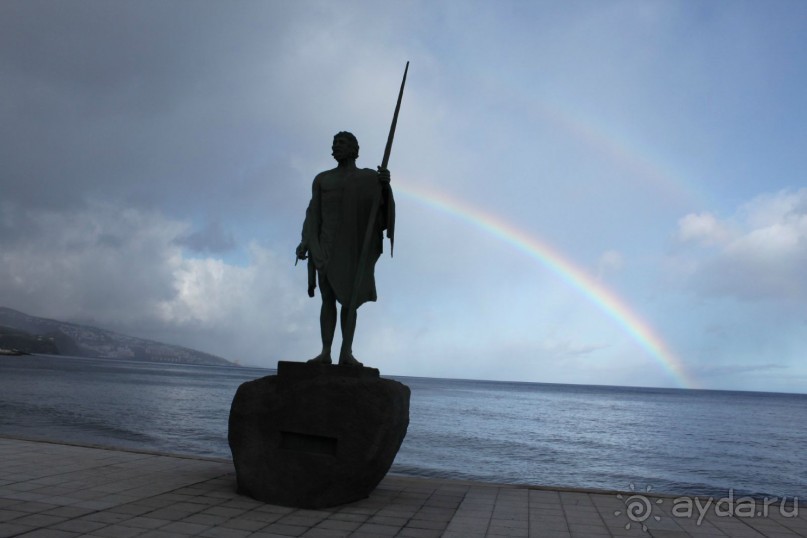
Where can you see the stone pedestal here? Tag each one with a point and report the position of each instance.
(315, 436)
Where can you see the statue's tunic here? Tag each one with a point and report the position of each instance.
(335, 226)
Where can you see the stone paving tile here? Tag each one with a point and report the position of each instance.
(11, 529)
(153, 534)
(39, 520)
(338, 526)
(10, 515)
(464, 534)
(426, 524)
(223, 532)
(317, 532)
(248, 524)
(67, 511)
(76, 525)
(222, 511)
(285, 530)
(182, 528)
(131, 509)
(420, 533)
(263, 517)
(206, 519)
(388, 520)
(105, 517)
(273, 509)
(48, 533)
(25, 496)
(342, 516)
(118, 531)
(143, 522)
(33, 507)
(293, 522)
(373, 529)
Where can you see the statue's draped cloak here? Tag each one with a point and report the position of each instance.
(335, 225)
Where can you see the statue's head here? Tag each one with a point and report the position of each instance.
(351, 146)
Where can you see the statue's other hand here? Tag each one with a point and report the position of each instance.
(383, 176)
(320, 264)
(301, 252)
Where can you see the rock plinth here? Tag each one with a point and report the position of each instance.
(315, 435)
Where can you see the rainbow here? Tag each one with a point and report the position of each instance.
(648, 168)
(610, 303)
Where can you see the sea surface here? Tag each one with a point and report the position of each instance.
(669, 440)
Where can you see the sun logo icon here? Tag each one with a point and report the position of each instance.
(638, 508)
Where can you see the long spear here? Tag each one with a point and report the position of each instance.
(368, 235)
(391, 135)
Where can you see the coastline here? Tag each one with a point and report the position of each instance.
(78, 490)
(13, 353)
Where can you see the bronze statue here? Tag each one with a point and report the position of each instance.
(342, 236)
(333, 241)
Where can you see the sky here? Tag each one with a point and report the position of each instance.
(590, 192)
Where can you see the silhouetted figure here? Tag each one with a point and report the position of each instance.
(333, 235)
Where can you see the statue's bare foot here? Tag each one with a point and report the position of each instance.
(349, 360)
(322, 358)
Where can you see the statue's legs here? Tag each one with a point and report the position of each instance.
(348, 324)
(327, 327)
(327, 321)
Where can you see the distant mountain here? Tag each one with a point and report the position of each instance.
(86, 341)
(15, 342)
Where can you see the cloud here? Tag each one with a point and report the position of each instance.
(703, 228)
(153, 106)
(124, 269)
(212, 239)
(103, 261)
(759, 253)
(610, 260)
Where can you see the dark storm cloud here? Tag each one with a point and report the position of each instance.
(143, 101)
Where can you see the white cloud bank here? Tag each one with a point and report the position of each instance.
(759, 253)
(126, 270)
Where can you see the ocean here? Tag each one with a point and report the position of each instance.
(616, 438)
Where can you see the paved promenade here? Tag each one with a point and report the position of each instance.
(56, 490)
